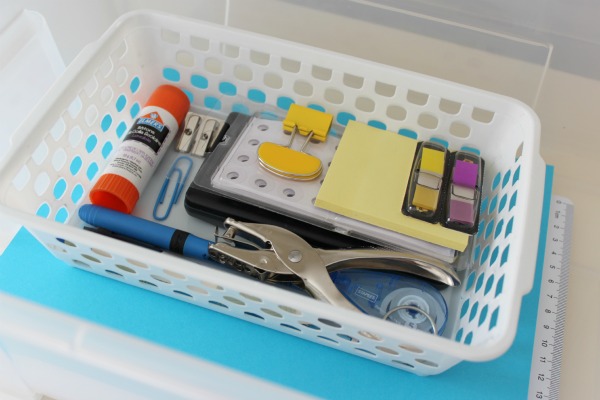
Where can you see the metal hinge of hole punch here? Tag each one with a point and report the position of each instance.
(200, 133)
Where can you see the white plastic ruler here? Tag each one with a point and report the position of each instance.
(548, 345)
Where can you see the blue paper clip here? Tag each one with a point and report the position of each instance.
(179, 185)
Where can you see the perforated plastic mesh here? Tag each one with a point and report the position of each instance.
(225, 71)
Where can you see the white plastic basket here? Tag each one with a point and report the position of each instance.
(57, 154)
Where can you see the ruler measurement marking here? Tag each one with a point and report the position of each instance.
(544, 380)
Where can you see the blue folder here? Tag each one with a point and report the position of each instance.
(299, 364)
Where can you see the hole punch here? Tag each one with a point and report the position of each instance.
(182, 172)
(297, 164)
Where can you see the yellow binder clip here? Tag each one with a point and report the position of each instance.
(297, 164)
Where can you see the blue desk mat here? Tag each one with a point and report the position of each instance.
(262, 352)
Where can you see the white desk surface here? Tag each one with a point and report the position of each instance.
(568, 109)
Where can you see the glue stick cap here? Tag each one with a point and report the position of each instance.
(118, 193)
(115, 192)
(172, 99)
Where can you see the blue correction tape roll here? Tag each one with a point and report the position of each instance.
(399, 298)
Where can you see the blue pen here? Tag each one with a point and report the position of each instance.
(162, 236)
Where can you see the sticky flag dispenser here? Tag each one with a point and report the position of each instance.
(293, 164)
(426, 182)
(464, 192)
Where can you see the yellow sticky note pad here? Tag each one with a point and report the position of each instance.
(367, 180)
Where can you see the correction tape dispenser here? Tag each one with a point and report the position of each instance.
(399, 298)
(127, 174)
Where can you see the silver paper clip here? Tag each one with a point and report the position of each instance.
(182, 176)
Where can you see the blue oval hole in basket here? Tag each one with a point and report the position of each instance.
(496, 181)
(473, 313)
(121, 103)
(212, 103)
(489, 229)
(459, 334)
(408, 133)
(493, 204)
(470, 281)
(251, 314)
(469, 338)
(377, 124)
(75, 166)
(516, 175)
(92, 171)
(216, 303)
(291, 327)
(135, 109)
(91, 142)
(344, 117)
(504, 256)
(476, 252)
(199, 81)
(513, 200)
(77, 193)
(317, 107)
(484, 255)
(483, 315)
(480, 229)
(189, 95)
(171, 74)
(134, 85)
(227, 88)
(484, 205)
(106, 122)
(257, 96)
(107, 149)
(479, 283)
(502, 204)
(471, 150)
(284, 102)
(464, 308)
(489, 284)
(440, 141)
(494, 318)
(62, 215)
(509, 227)
(499, 286)
(240, 108)
(494, 256)
(43, 211)
(499, 227)
(60, 188)
(506, 179)
(121, 128)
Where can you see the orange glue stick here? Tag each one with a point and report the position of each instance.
(141, 151)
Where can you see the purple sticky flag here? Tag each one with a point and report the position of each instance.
(462, 211)
(465, 174)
